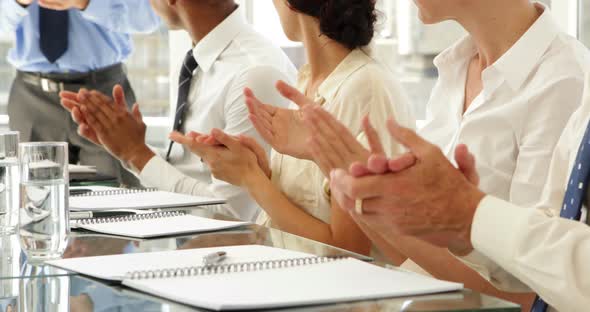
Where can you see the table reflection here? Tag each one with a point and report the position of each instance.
(75, 293)
(30, 287)
(89, 244)
(49, 293)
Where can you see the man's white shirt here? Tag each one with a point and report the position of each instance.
(522, 249)
(231, 57)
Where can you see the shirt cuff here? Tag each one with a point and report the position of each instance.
(493, 219)
(156, 174)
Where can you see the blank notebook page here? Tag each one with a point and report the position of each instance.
(164, 226)
(140, 200)
(339, 281)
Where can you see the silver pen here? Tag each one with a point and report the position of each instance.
(77, 215)
(214, 258)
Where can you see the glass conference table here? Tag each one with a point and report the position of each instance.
(36, 287)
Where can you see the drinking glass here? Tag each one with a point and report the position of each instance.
(44, 223)
(9, 182)
(45, 293)
(9, 268)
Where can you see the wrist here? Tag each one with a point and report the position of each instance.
(139, 157)
(462, 245)
(252, 180)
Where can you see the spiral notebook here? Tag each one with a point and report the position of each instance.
(254, 277)
(156, 224)
(118, 198)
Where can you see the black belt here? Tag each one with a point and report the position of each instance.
(57, 82)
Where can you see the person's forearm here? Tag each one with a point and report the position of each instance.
(140, 157)
(534, 238)
(389, 250)
(12, 14)
(290, 218)
(122, 16)
(443, 265)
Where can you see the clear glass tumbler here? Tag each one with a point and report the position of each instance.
(9, 182)
(44, 222)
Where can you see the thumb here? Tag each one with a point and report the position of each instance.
(224, 139)
(407, 137)
(467, 164)
(293, 94)
(137, 113)
(119, 97)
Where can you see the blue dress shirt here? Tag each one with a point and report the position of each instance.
(99, 36)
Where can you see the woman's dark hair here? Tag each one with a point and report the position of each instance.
(349, 22)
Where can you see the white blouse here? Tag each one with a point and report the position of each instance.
(512, 127)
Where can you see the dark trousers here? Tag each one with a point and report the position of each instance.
(37, 114)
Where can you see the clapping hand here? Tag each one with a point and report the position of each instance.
(71, 102)
(233, 159)
(333, 146)
(429, 199)
(282, 128)
(25, 3)
(109, 123)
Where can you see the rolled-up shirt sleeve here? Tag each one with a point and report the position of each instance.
(533, 247)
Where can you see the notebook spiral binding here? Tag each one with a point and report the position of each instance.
(229, 268)
(116, 192)
(137, 217)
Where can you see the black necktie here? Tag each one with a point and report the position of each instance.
(53, 33)
(184, 85)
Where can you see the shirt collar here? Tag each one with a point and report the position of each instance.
(208, 50)
(516, 65)
(329, 88)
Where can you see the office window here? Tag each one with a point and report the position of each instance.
(148, 70)
(584, 26)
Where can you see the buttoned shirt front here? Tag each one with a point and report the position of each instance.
(231, 57)
(512, 126)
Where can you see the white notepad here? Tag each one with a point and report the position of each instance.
(277, 282)
(136, 199)
(155, 224)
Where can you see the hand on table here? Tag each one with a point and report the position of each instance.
(109, 123)
(429, 199)
(61, 5)
(234, 159)
(282, 128)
